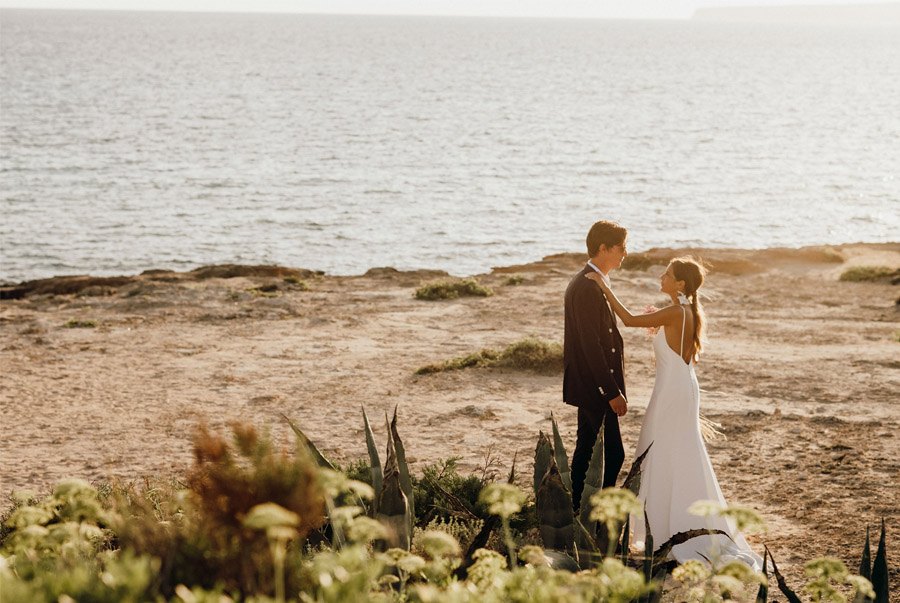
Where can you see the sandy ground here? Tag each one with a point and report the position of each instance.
(800, 369)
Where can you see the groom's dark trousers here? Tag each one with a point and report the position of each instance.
(594, 375)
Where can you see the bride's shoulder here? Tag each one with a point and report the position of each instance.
(670, 313)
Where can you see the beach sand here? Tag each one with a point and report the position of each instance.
(801, 370)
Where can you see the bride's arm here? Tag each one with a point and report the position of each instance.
(666, 316)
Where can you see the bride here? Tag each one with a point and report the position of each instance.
(677, 471)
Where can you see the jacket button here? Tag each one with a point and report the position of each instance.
(610, 370)
(614, 350)
(610, 330)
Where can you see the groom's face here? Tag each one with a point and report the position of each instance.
(617, 254)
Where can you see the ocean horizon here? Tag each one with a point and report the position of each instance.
(135, 141)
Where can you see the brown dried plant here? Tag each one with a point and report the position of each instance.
(198, 534)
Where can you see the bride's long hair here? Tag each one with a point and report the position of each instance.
(691, 271)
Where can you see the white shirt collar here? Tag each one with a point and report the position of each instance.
(605, 277)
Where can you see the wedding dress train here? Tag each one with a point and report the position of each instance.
(677, 471)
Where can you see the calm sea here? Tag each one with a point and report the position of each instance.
(131, 141)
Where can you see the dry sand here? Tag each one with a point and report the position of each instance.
(800, 369)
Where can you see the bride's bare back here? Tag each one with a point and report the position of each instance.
(686, 345)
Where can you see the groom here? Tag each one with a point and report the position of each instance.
(592, 354)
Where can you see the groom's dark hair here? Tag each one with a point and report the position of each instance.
(606, 233)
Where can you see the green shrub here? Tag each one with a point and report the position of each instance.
(358, 470)
(80, 324)
(528, 354)
(532, 354)
(485, 357)
(867, 274)
(270, 290)
(296, 283)
(442, 493)
(452, 289)
(513, 280)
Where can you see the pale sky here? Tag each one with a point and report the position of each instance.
(612, 9)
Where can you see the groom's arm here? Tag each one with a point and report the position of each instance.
(594, 324)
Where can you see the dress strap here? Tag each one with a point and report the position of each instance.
(683, 321)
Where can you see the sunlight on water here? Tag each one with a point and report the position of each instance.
(136, 141)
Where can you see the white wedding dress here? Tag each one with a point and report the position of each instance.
(677, 471)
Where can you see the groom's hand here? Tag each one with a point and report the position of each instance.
(619, 405)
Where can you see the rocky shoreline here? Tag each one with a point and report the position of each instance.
(107, 377)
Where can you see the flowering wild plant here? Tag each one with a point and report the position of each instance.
(209, 543)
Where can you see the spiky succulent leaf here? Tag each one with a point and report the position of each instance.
(542, 453)
(405, 480)
(662, 552)
(586, 552)
(782, 584)
(554, 511)
(491, 523)
(305, 441)
(626, 536)
(559, 453)
(762, 595)
(593, 480)
(561, 560)
(865, 564)
(648, 558)
(659, 578)
(374, 462)
(880, 570)
(633, 479)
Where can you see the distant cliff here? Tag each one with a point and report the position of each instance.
(887, 14)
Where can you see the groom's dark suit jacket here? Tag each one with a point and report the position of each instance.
(592, 348)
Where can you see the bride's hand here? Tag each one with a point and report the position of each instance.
(596, 278)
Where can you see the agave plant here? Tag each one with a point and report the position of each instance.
(554, 509)
(375, 469)
(876, 572)
(579, 535)
(559, 453)
(880, 570)
(561, 530)
(393, 504)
